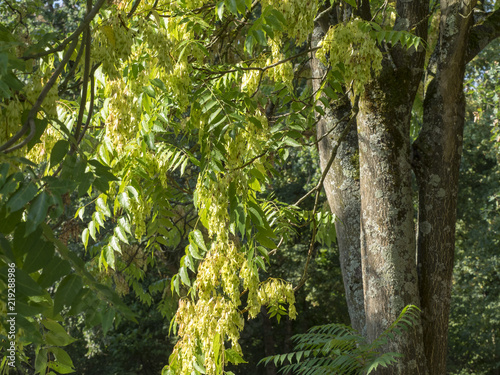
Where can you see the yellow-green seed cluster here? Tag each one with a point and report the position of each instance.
(355, 49)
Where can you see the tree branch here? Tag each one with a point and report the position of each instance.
(30, 121)
(86, 21)
(86, 73)
(263, 69)
(481, 35)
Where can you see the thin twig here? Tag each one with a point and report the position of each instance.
(135, 6)
(260, 69)
(20, 17)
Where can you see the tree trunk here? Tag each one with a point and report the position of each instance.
(398, 270)
(342, 190)
(387, 213)
(268, 339)
(437, 154)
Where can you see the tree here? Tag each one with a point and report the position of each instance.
(192, 104)
(392, 271)
(475, 295)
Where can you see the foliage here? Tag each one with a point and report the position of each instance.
(152, 129)
(335, 348)
(32, 245)
(475, 301)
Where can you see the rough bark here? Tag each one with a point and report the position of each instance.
(437, 154)
(342, 191)
(387, 213)
(396, 269)
(482, 34)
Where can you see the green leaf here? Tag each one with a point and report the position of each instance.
(4, 172)
(199, 367)
(320, 110)
(159, 83)
(291, 142)
(107, 320)
(4, 90)
(193, 251)
(62, 357)
(220, 10)
(85, 237)
(279, 16)
(175, 284)
(21, 197)
(260, 262)
(249, 43)
(56, 269)
(197, 237)
(92, 230)
(60, 368)
(231, 5)
(274, 22)
(11, 185)
(66, 292)
(184, 276)
(103, 207)
(265, 240)
(38, 257)
(109, 256)
(120, 233)
(40, 126)
(330, 93)
(150, 91)
(115, 244)
(351, 3)
(59, 151)
(25, 285)
(240, 5)
(260, 37)
(41, 361)
(233, 356)
(37, 211)
(98, 218)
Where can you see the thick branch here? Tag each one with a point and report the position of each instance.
(481, 35)
(30, 121)
(86, 73)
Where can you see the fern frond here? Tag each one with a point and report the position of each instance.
(339, 349)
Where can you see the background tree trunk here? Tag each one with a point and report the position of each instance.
(267, 333)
